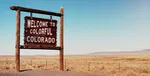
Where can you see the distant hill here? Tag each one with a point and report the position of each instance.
(139, 52)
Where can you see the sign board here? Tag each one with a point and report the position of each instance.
(39, 32)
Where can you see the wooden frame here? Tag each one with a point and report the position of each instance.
(18, 10)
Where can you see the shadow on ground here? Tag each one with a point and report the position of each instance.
(30, 72)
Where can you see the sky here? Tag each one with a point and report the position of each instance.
(89, 25)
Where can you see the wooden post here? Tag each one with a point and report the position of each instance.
(17, 40)
(61, 39)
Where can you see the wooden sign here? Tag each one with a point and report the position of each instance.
(39, 32)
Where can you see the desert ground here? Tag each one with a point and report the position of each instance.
(108, 65)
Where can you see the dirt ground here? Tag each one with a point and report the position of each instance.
(46, 73)
(108, 65)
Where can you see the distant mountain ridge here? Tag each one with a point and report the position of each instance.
(138, 52)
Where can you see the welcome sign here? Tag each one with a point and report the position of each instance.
(39, 32)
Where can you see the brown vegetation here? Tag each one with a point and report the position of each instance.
(110, 65)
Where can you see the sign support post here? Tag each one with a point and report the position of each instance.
(61, 39)
(18, 40)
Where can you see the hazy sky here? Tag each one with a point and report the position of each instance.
(90, 25)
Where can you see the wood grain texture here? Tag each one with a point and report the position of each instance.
(35, 11)
(62, 39)
(17, 40)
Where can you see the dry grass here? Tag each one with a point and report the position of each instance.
(110, 65)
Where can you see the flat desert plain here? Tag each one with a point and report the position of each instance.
(107, 65)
